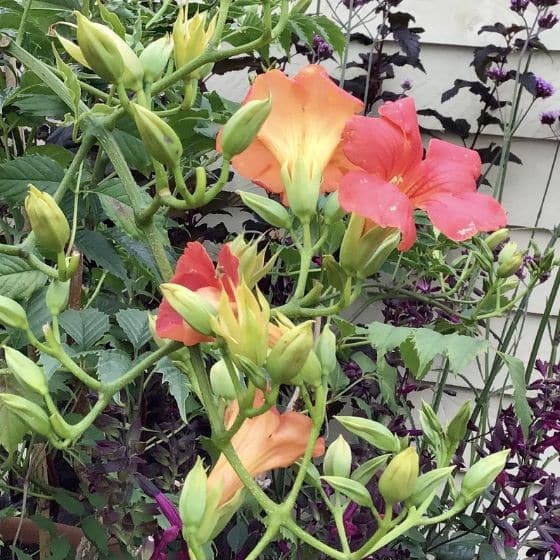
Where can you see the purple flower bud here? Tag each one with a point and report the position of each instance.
(407, 85)
(549, 117)
(541, 366)
(497, 74)
(519, 5)
(543, 89)
(548, 21)
(322, 48)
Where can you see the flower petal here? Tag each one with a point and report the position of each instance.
(228, 269)
(195, 268)
(379, 201)
(388, 146)
(459, 216)
(438, 149)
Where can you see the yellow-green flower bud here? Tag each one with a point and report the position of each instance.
(497, 237)
(253, 372)
(107, 54)
(364, 251)
(398, 480)
(326, 350)
(458, 426)
(48, 222)
(269, 210)
(426, 484)
(27, 373)
(155, 56)
(192, 501)
(509, 260)
(221, 382)
(252, 262)
(29, 412)
(338, 458)
(159, 138)
(192, 307)
(290, 353)
(242, 128)
(303, 185)
(57, 296)
(332, 210)
(482, 474)
(311, 372)
(12, 314)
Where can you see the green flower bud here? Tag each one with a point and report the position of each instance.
(192, 502)
(57, 296)
(398, 480)
(221, 382)
(509, 260)
(458, 426)
(159, 138)
(191, 306)
(426, 484)
(27, 373)
(30, 413)
(253, 372)
(107, 54)
(431, 426)
(494, 239)
(338, 458)
(311, 372)
(290, 353)
(303, 186)
(155, 56)
(482, 474)
(332, 210)
(12, 314)
(326, 350)
(242, 128)
(509, 284)
(371, 431)
(269, 210)
(48, 222)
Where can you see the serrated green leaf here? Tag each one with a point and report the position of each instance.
(18, 279)
(96, 247)
(354, 490)
(60, 547)
(121, 215)
(95, 532)
(428, 345)
(521, 406)
(462, 350)
(132, 147)
(85, 326)
(40, 105)
(138, 251)
(178, 382)
(69, 503)
(18, 173)
(134, 323)
(386, 337)
(112, 365)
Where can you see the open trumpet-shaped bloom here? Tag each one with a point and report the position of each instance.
(269, 441)
(395, 180)
(308, 115)
(196, 271)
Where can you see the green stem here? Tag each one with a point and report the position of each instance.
(217, 187)
(305, 262)
(223, 12)
(306, 537)
(339, 521)
(23, 22)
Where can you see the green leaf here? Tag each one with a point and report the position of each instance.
(364, 473)
(96, 533)
(354, 490)
(112, 365)
(40, 105)
(96, 247)
(178, 383)
(85, 326)
(70, 81)
(521, 406)
(373, 432)
(331, 32)
(132, 147)
(18, 173)
(60, 547)
(386, 337)
(111, 19)
(13, 429)
(18, 280)
(61, 155)
(458, 548)
(121, 214)
(134, 323)
(428, 344)
(69, 503)
(20, 554)
(462, 350)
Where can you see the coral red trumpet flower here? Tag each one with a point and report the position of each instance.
(394, 178)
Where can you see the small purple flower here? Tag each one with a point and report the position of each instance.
(497, 74)
(407, 85)
(549, 117)
(548, 21)
(541, 366)
(354, 3)
(322, 48)
(519, 5)
(543, 89)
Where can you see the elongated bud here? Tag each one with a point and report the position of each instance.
(252, 262)
(364, 251)
(458, 426)
(303, 185)
(398, 480)
(269, 210)
(107, 54)
(12, 314)
(311, 372)
(338, 458)
(494, 239)
(155, 56)
(192, 501)
(326, 350)
(27, 373)
(482, 474)
(242, 128)
(426, 484)
(191, 306)
(57, 296)
(431, 426)
(253, 372)
(332, 210)
(160, 139)
(290, 353)
(221, 382)
(29, 412)
(509, 260)
(371, 431)
(47, 220)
